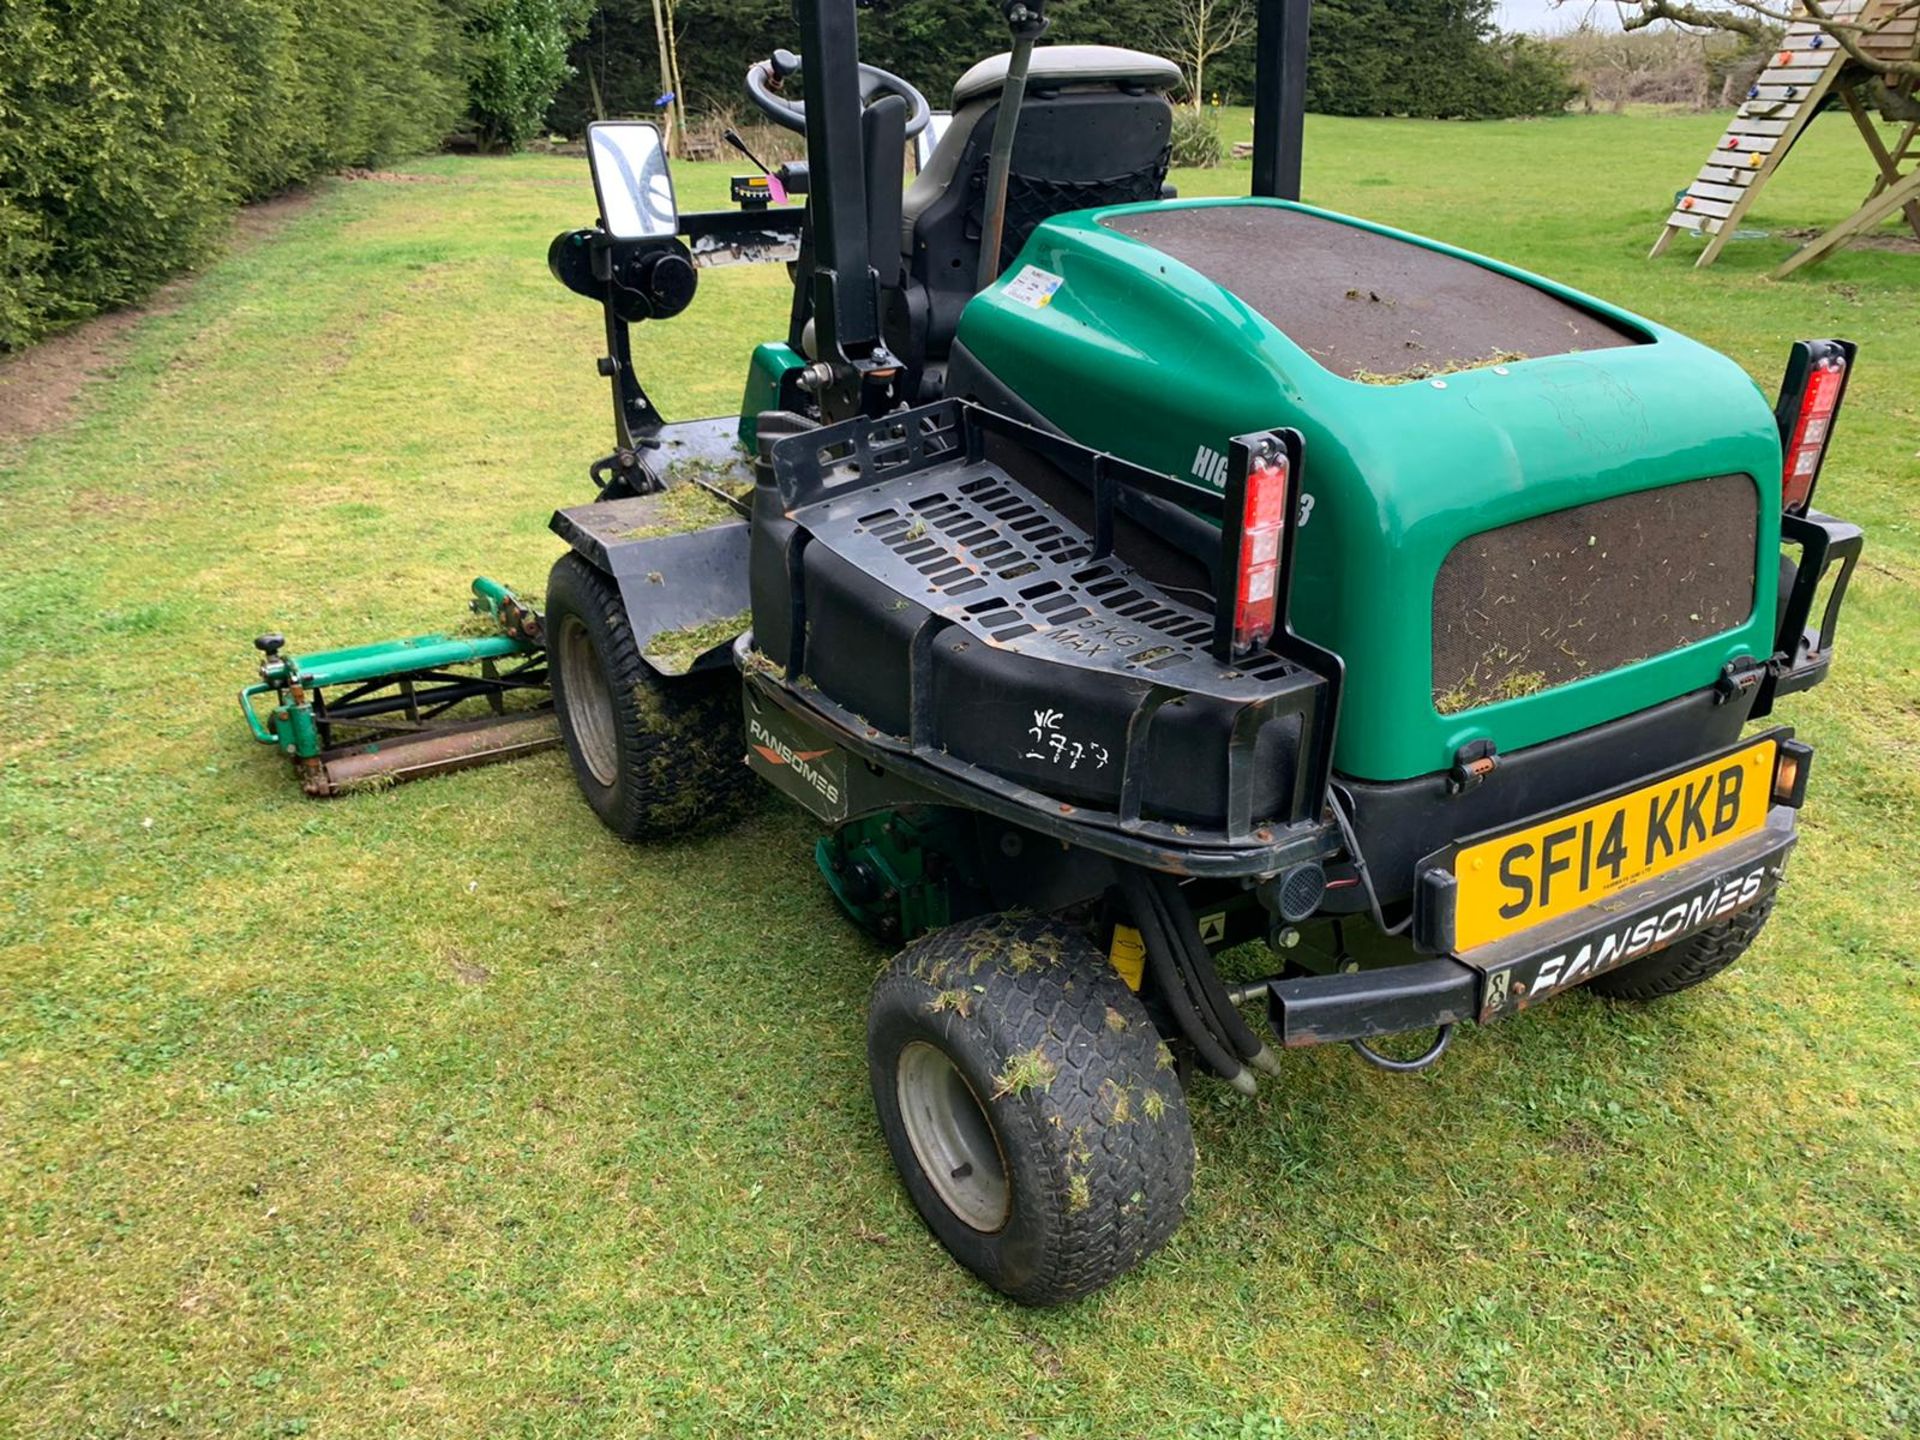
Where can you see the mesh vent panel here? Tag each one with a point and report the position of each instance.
(1552, 599)
(1034, 198)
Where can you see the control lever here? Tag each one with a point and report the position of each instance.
(776, 187)
(732, 137)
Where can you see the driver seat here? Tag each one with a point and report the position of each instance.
(1095, 129)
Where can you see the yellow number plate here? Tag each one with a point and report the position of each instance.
(1546, 870)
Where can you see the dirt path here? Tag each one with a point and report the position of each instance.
(40, 387)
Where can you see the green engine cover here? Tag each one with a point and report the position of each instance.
(1126, 348)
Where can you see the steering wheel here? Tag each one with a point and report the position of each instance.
(765, 78)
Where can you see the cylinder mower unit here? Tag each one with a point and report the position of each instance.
(374, 715)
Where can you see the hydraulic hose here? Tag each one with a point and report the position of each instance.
(1028, 25)
(1167, 974)
(1345, 823)
(1215, 1004)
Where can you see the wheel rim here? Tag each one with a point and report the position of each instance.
(589, 704)
(952, 1137)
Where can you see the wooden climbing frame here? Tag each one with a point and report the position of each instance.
(1808, 69)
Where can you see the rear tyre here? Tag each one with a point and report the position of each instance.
(1035, 1117)
(1694, 960)
(655, 758)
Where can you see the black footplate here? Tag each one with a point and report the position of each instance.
(976, 628)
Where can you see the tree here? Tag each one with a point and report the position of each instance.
(1754, 19)
(667, 41)
(1439, 59)
(518, 58)
(1200, 31)
(1667, 66)
(1442, 58)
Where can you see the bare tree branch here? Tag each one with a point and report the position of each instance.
(1202, 30)
(1752, 17)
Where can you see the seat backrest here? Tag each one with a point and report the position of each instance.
(1095, 129)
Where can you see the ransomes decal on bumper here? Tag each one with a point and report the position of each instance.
(795, 761)
(1650, 932)
(1633, 922)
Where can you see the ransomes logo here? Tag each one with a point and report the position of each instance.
(1632, 941)
(775, 751)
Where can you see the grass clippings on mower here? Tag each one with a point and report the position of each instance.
(676, 650)
(680, 509)
(1476, 691)
(1424, 371)
(1029, 1070)
(732, 476)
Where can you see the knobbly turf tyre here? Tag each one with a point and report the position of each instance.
(654, 757)
(1693, 960)
(1009, 1043)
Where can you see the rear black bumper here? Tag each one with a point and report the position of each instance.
(1506, 977)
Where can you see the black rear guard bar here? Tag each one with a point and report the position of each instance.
(1802, 656)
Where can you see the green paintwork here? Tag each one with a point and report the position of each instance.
(491, 596)
(915, 866)
(770, 365)
(1142, 356)
(361, 663)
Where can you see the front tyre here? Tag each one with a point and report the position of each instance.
(1692, 961)
(654, 757)
(1034, 1115)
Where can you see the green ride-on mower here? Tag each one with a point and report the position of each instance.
(1123, 579)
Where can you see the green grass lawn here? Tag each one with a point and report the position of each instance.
(439, 1112)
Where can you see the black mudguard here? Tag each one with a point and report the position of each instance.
(679, 585)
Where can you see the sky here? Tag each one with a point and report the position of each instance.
(1539, 16)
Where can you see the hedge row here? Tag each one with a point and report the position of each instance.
(1437, 58)
(130, 128)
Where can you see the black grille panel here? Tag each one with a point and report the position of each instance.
(1583, 591)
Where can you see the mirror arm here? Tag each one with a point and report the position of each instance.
(636, 421)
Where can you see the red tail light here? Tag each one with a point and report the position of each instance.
(1809, 440)
(1809, 402)
(1257, 598)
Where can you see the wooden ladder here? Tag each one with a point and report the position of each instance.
(1782, 102)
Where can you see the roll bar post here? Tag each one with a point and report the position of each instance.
(1280, 97)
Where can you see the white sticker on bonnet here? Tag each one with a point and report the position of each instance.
(1034, 286)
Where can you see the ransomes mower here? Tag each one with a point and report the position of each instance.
(1123, 579)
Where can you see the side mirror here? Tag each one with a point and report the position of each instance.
(631, 180)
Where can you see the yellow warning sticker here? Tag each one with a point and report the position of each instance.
(1128, 955)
